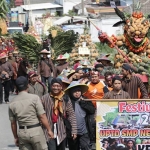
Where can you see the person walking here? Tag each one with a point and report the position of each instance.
(22, 69)
(132, 83)
(27, 110)
(59, 110)
(62, 64)
(117, 92)
(83, 111)
(36, 86)
(15, 66)
(11, 60)
(96, 87)
(46, 68)
(6, 72)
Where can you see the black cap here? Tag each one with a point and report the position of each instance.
(127, 67)
(99, 66)
(56, 80)
(21, 81)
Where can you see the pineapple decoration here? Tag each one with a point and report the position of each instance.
(84, 42)
(32, 32)
(3, 16)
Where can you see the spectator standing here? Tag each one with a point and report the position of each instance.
(22, 69)
(117, 92)
(99, 68)
(77, 63)
(132, 83)
(96, 88)
(108, 80)
(15, 66)
(83, 109)
(65, 81)
(6, 72)
(62, 64)
(35, 86)
(11, 60)
(104, 60)
(57, 108)
(27, 110)
(46, 68)
(77, 75)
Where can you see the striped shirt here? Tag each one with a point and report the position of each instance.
(112, 95)
(131, 86)
(48, 103)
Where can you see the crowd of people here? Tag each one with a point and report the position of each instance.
(55, 106)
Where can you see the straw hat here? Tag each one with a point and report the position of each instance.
(61, 57)
(103, 57)
(64, 79)
(3, 55)
(44, 51)
(70, 73)
(73, 84)
(78, 59)
(67, 72)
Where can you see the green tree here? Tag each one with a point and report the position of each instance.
(3, 15)
(11, 4)
(3, 9)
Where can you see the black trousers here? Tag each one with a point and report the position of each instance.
(82, 141)
(6, 85)
(52, 145)
(47, 79)
(12, 85)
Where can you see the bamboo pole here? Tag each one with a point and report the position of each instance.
(108, 38)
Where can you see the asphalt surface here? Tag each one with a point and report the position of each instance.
(6, 137)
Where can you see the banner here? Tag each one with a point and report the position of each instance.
(123, 125)
(14, 16)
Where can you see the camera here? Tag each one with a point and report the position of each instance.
(3, 76)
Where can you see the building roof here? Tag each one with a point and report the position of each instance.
(145, 7)
(38, 1)
(67, 18)
(40, 6)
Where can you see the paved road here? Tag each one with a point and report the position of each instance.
(6, 137)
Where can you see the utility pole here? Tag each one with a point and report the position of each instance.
(82, 2)
(133, 1)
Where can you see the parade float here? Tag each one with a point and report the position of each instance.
(61, 41)
(134, 45)
(85, 48)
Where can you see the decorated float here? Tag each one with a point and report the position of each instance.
(84, 48)
(134, 45)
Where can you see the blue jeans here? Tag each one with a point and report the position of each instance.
(48, 80)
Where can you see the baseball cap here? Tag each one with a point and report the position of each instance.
(31, 74)
(127, 67)
(21, 81)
